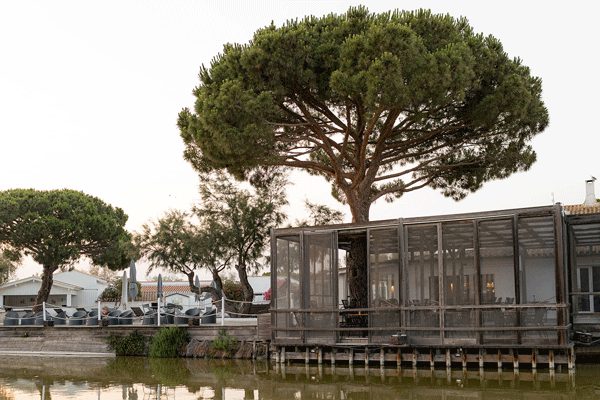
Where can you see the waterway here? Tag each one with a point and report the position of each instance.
(125, 378)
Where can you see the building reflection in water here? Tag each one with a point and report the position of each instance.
(142, 378)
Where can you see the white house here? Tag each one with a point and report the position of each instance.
(71, 289)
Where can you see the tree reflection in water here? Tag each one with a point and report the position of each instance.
(144, 378)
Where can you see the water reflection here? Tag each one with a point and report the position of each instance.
(141, 378)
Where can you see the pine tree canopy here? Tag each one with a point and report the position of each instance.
(378, 104)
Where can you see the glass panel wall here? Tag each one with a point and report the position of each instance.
(497, 280)
(538, 276)
(384, 275)
(287, 290)
(422, 286)
(460, 283)
(321, 279)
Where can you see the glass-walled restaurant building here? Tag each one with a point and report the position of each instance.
(514, 277)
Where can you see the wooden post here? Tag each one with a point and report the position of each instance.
(551, 359)
(306, 356)
(276, 356)
(381, 357)
(414, 360)
(448, 360)
(320, 356)
(282, 357)
(481, 355)
(351, 358)
(571, 358)
(515, 358)
(366, 357)
(431, 359)
(399, 359)
(333, 358)
(534, 353)
(499, 359)
(463, 354)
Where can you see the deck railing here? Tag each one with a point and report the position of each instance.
(493, 324)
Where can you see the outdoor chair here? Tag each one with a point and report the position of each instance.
(126, 317)
(149, 318)
(191, 314)
(28, 318)
(137, 311)
(179, 318)
(169, 314)
(11, 318)
(92, 318)
(113, 317)
(209, 317)
(78, 318)
(70, 311)
(60, 318)
(39, 318)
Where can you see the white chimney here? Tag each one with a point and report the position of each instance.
(590, 195)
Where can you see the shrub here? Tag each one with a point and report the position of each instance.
(224, 342)
(169, 342)
(133, 344)
(110, 294)
(233, 290)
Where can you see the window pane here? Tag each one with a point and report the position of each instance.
(497, 281)
(496, 254)
(596, 279)
(459, 277)
(385, 266)
(584, 280)
(384, 290)
(538, 264)
(287, 289)
(321, 280)
(422, 281)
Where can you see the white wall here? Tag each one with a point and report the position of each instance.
(92, 287)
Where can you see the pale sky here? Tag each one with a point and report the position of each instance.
(90, 92)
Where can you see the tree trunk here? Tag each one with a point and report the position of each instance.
(357, 273)
(215, 293)
(247, 289)
(358, 284)
(44, 292)
(218, 282)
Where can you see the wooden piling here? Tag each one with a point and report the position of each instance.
(481, 354)
(415, 358)
(515, 359)
(320, 356)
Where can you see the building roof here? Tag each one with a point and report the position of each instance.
(149, 289)
(36, 279)
(76, 271)
(582, 209)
